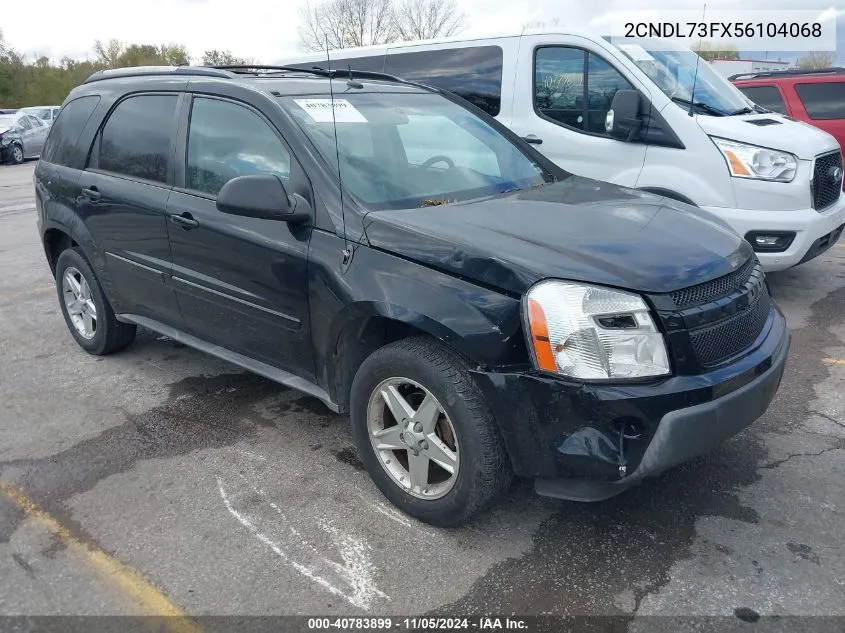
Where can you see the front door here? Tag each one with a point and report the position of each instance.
(562, 96)
(241, 282)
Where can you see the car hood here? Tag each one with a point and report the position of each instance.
(578, 229)
(5, 128)
(795, 137)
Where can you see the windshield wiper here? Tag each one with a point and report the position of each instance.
(700, 105)
(745, 110)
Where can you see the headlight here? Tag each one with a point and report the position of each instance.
(593, 333)
(4, 141)
(761, 163)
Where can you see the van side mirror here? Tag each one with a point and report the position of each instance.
(623, 121)
(260, 196)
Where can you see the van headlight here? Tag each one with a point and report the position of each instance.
(592, 333)
(761, 163)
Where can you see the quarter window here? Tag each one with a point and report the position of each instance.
(575, 87)
(136, 140)
(823, 100)
(227, 140)
(65, 132)
(767, 96)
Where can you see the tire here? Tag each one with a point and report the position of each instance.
(465, 426)
(16, 155)
(106, 334)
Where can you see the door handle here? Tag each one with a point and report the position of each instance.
(533, 139)
(92, 193)
(186, 221)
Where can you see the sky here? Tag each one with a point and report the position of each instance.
(267, 29)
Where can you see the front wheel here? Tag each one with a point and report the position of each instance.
(16, 154)
(425, 432)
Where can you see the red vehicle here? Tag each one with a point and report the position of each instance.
(816, 97)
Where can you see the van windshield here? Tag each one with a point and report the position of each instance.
(674, 72)
(405, 150)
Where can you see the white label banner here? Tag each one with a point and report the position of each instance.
(321, 110)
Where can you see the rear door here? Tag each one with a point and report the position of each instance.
(563, 91)
(241, 282)
(124, 198)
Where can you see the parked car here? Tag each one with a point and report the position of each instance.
(47, 114)
(21, 136)
(816, 97)
(8, 110)
(403, 257)
(774, 181)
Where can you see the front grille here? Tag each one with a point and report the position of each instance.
(716, 343)
(716, 289)
(826, 188)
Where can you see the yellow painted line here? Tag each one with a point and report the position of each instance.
(37, 290)
(834, 361)
(130, 581)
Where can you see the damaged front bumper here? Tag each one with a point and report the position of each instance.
(589, 442)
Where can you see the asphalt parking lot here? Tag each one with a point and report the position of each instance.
(162, 479)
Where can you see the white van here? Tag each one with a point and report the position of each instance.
(623, 114)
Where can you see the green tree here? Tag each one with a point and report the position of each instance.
(709, 50)
(816, 59)
(215, 57)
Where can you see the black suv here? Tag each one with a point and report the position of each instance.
(398, 254)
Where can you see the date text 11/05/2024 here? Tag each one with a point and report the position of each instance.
(483, 623)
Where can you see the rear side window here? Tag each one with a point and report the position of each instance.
(767, 96)
(136, 140)
(65, 132)
(474, 73)
(226, 140)
(823, 100)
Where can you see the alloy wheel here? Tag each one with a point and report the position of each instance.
(413, 438)
(78, 302)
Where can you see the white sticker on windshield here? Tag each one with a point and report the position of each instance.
(321, 110)
(636, 52)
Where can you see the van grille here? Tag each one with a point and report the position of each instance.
(826, 188)
(716, 289)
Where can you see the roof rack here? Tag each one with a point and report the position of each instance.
(313, 70)
(139, 71)
(833, 70)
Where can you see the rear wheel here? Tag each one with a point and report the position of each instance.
(425, 432)
(87, 312)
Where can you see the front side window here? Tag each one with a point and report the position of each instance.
(574, 87)
(227, 140)
(767, 96)
(823, 100)
(136, 140)
(426, 149)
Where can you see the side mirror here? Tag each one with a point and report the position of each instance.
(260, 196)
(623, 121)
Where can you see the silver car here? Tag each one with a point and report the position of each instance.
(21, 136)
(47, 114)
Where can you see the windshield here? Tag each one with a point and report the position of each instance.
(674, 72)
(401, 150)
(41, 113)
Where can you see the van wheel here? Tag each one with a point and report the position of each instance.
(16, 155)
(87, 312)
(425, 432)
